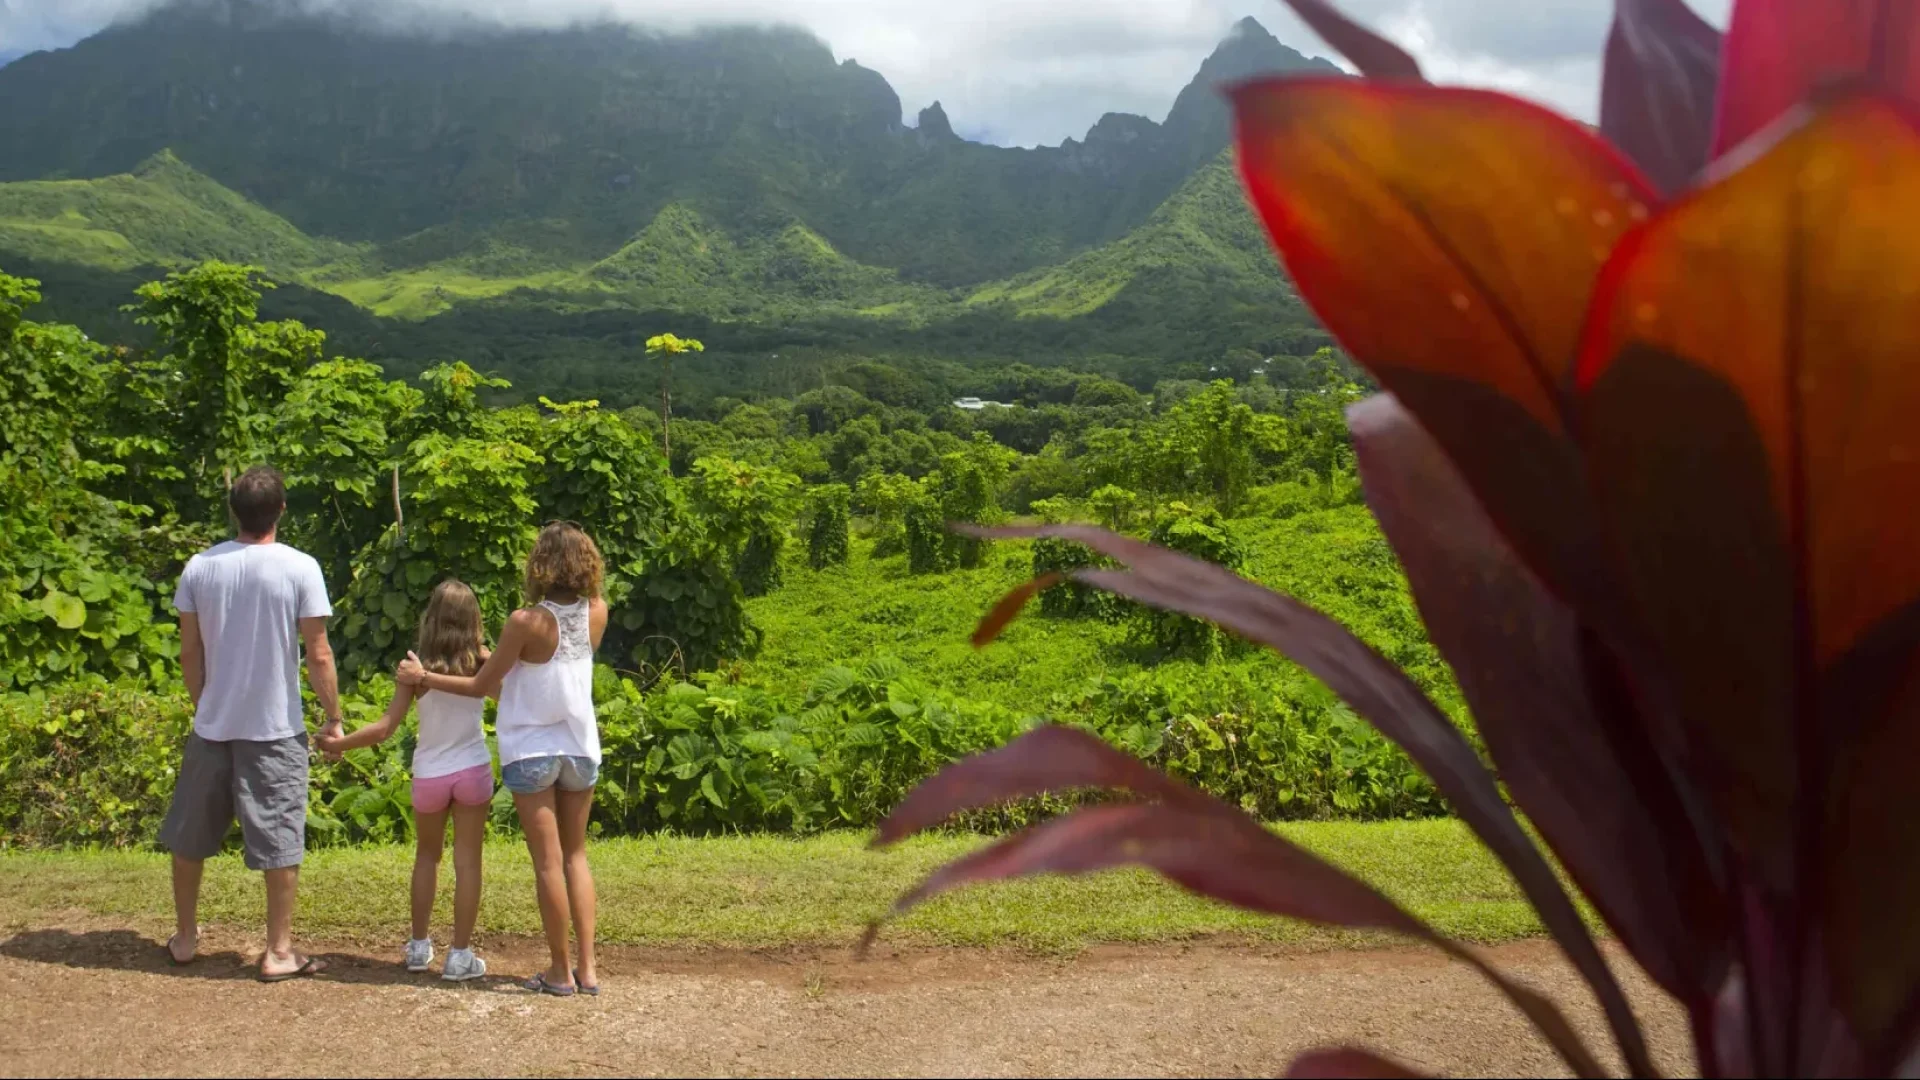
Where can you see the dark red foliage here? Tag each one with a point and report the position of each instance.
(1652, 468)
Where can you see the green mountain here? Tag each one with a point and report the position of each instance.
(403, 142)
(161, 213)
(1200, 240)
(541, 201)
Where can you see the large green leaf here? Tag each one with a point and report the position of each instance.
(67, 611)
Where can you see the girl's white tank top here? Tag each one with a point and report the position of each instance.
(547, 709)
(451, 738)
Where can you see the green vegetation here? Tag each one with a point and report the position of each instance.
(755, 683)
(767, 892)
(162, 213)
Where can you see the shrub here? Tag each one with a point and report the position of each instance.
(926, 537)
(88, 763)
(749, 510)
(826, 525)
(1203, 534)
(1282, 501)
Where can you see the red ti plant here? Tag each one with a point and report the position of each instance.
(1649, 452)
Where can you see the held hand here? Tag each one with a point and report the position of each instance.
(410, 672)
(329, 739)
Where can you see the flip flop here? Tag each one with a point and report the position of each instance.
(175, 960)
(539, 985)
(590, 991)
(312, 965)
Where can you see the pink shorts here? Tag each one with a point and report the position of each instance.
(468, 787)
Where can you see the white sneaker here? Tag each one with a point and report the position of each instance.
(463, 965)
(419, 954)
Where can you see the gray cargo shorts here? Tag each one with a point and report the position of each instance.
(263, 784)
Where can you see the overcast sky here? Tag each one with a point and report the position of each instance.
(1024, 72)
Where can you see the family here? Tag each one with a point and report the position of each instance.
(250, 606)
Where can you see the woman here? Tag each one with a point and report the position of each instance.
(549, 741)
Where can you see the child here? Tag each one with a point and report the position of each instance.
(452, 770)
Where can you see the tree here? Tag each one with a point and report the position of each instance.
(749, 510)
(666, 347)
(1215, 433)
(215, 373)
(334, 439)
(671, 584)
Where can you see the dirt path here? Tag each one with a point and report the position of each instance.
(88, 1000)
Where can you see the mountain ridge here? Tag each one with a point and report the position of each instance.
(374, 139)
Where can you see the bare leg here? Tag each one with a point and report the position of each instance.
(574, 808)
(469, 835)
(186, 908)
(430, 836)
(549, 877)
(283, 889)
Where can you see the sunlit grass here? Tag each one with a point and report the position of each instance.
(758, 892)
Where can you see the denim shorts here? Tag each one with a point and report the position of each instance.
(530, 776)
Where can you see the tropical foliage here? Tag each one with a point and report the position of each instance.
(1645, 454)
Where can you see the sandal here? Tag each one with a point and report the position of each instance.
(590, 991)
(309, 966)
(174, 958)
(539, 985)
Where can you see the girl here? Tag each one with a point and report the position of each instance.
(451, 770)
(549, 740)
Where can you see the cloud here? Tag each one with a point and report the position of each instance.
(1019, 72)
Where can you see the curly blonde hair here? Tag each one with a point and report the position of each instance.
(564, 559)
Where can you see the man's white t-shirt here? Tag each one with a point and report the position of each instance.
(250, 598)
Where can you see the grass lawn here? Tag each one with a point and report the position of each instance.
(758, 892)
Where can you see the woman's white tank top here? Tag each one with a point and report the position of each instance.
(547, 709)
(451, 737)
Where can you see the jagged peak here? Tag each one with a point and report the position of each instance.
(1115, 127)
(1249, 27)
(933, 123)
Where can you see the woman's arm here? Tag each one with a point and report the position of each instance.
(597, 615)
(380, 730)
(482, 683)
(485, 655)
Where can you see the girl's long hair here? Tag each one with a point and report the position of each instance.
(564, 559)
(451, 636)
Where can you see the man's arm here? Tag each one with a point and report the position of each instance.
(321, 674)
(193, 656)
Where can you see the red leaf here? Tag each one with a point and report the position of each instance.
(1347, 1063)
(1450, 240)
(1748, 401)
(1009, 607)
(1591, 784)
(1375, 688)
(1657, 93)
(1045, 759)
(1375, 56)
(1778, 52)
(1218, 852)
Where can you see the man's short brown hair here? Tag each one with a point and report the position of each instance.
(257, 500)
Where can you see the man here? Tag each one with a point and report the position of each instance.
(246, 606)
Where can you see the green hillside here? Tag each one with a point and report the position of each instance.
(1201, 241)
(161, 213)
(542, 202)
(1200, 250)
(683, 261)
(574, 140)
